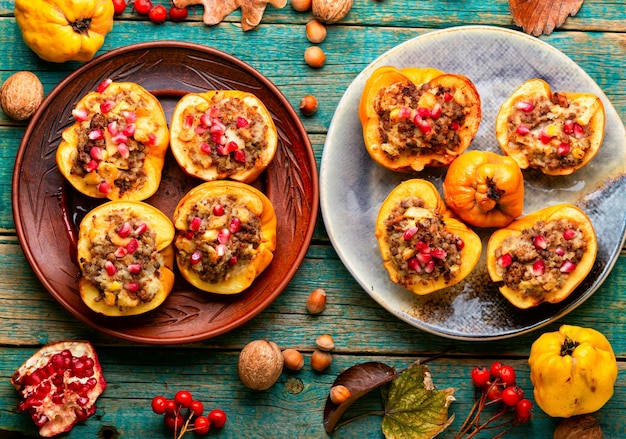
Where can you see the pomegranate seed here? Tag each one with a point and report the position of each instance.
(195, 257)
(505, 260)
(459, 243)
(424, 127)
(221, 249)
(119, 138)
(240, 156)
(404, 113)
(217, 125)
(232, 146)
(104, 188)
(133, 287)
(539, 267)
(106, 106)
(242, 122)
(104, 85)
(141, 229)
(540, 242)
(409, 233)
(218, 210)
(205, 120)
(563, 149)
(152, 139)
(188, 122)
(568, 127)
(96, 135)
(439, 253)
(218, 138)
(134, 268)
(189, 235)
(559, 251)
(579, 132)
(130, 116)
(95, 153)
(414, 265)
(436, 111)
(567, 267)
(120, 252)
(233, 260)
(80, 114)
(205, 148)
(223, 236)
(235, 225)
(447, 97)
(454, 126)
(569, 234)
(422, 247)
(195, 224)
(215, 111)
(221, 149)
(429, 267)
(423, 112)
(112, 128)
(526, 107)
(522, 130)
(123, 150)
(132, 246)
(125, 230)
(129, 130)
(544, 137)
(92, 166)
(110, 268)
(199, 130)
(424, 258)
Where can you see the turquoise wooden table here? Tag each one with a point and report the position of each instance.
(363, 331)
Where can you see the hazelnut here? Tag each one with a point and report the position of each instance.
(20, 95)
(301, 5)
(315, 31)
(325, 342)
(308, 105)
(260, 364)
(316, 301)
(320, 360)
(314, 56)
(339, 394)
(293, 359)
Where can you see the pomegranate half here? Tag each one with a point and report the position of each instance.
(59, 385)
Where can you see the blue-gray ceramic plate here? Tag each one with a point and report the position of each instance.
(353, 186)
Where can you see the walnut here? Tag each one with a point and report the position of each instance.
(578, 427)
(20, 95)
(260, 364)
(331, 11)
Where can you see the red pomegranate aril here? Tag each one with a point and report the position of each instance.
(423, 112)
(414, 264)
(123, 150)
(188, 123)
(559, 251)
(58, 398)
(422, 247)
(110, 268)
(106, 106)
(92, 166)
(195, 224)
(80, 114)
(455, 126)
(129, 116)
(95, 153)
(539, 267)
(568, 127)
(215, 111)
(579, 131)
(409, 233)
(439, 253)
(235, 225)
(199, 130)
(152, 139)
(429, 267)
(569, 234)
(233, 260)
(218, 210)
(447, 97)
(567, 267)
(195, 257)
(120, 252)
(544, 137)
(133, 287)
(129, 130)
(424, 127)
(221, 250)
(563, 149)
(223, 236)
(505, 260)
(205, 148)
(104, 85)
(423, 258)
(526, 107)
(134, 268)
(522, 130)
(96, 134)
(119, 138)
(540, 242)
(404, 113)
(436, 111)
(112, 128)
(459, 243)
(104, 188)
(240, 156)
(205, 120)
(141, 229)
(132, 245)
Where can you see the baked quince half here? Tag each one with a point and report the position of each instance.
(418, 117)
(116, 147)
(423, 246)
(543, 256)
(126, 258)
(223, 134)
(226, 236)
(555, 132)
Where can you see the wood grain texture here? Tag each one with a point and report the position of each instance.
(29, 317)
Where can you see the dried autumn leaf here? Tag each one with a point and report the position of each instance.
(413, 408)
(542, 16)
(216, 10)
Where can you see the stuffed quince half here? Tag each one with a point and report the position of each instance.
(555, 132)
(223, 134)
(543, 256)
(418, 117)
(423, 246)
(126, 258)
(226, 236)
(116, 147)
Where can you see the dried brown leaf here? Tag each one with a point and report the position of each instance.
(216, 10)
(542, 16)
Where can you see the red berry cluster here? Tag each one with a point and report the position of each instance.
(195, 419)
(156, 13)
(496, 386)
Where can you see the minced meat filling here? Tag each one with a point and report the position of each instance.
(223, 235)
(547, 132)
(421, 248)
(125, 262)
(109, 138)
(407, 129)
(231, 135)
(540, 259)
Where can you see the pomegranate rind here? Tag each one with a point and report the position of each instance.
(548, 214)
(465, 94)
(94, 223)
(151, 130)
(594, 117)
(257, 202)
(59, 420)
(434, 203)
(199, 103)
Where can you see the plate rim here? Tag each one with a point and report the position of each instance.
(302, 135)
(326, 215)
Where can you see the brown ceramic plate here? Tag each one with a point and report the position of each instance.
(47, 210)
